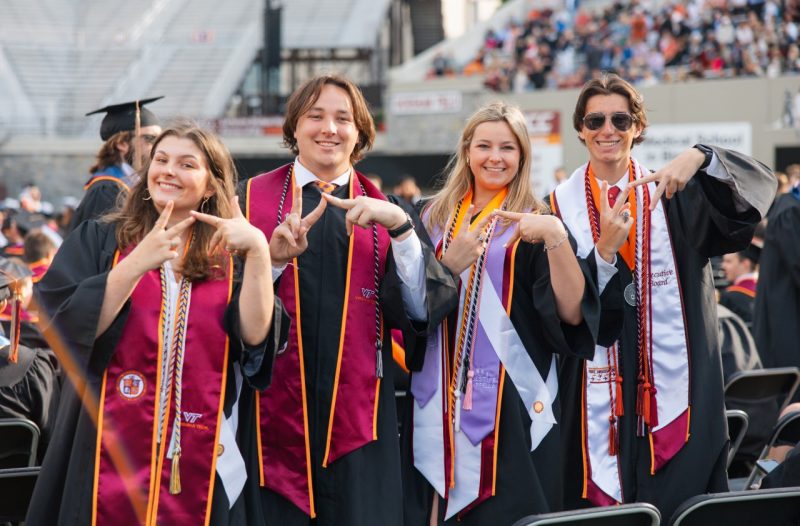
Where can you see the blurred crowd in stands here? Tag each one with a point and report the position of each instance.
(676, 41)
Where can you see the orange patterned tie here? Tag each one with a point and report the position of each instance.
(328, 188)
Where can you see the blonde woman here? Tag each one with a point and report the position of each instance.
(484, 446)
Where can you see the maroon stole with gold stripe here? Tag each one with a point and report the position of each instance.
(131, 484)
(98, 178)
(282, 409)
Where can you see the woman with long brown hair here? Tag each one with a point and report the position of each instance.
(165, 309)
(484, 443)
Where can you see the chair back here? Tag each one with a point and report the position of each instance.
(762, 394)
(19, 442)
(737, 428)
(776, 507)
(637, 514)
(16, 489)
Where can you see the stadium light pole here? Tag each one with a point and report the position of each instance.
(271, 55)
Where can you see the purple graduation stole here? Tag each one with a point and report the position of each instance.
(131, 473)
(283, 424)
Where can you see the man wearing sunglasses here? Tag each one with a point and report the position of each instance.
(129, 131)
(649, 416)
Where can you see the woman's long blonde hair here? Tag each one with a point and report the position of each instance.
(138, 215)
(459, 179)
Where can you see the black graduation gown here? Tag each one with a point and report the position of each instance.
(30, 389)
(776, 324)
(362, 488)
(72, 294)
(740, 303)
(99, 199)
(528, 481)
(703, 222)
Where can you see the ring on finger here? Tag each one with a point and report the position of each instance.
(173, 243)
(626, 215)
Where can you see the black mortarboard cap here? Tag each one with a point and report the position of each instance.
(11, 272)
(752, 252)
(122, 117)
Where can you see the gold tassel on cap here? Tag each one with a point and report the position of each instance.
(175, 474)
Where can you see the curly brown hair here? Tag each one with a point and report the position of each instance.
(610, 84)
(306, 95)
(138, 215)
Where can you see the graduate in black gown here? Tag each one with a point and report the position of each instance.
(128, 131)
(349, 266)
(29, 372)
(483, 445)
(648, 418)
(777, 310)
(741, 270)
(158, 325)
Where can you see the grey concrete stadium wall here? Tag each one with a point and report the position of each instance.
(758, 101)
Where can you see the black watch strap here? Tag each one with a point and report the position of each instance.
(402, 229)
(708, 152)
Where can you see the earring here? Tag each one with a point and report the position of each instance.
(203, 206)
(467, 160)
(149, 197)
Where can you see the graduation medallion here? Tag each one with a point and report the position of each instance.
(630, 294)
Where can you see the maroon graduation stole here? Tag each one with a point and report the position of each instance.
(131, 473)
(282, 409)
(39, 268)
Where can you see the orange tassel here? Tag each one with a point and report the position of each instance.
(16, 319)
(646, 404)
(613, 446)
(619, 406)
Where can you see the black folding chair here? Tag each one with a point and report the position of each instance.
(638, 514)
(773, 507)
(762, 394)
(16, 488)
(19, 442)
(786, 432)
(737, 428)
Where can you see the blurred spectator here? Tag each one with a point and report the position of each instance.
(30, 199)
(740, 270)
(376, 180)
(408, 190)
(38, 253)
(13, 237)
(646, 42)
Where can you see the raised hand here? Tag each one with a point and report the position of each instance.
(534, 228)
(673, 177)
(363, 211)
(235, 234)
(160, 244)
(467, 246)
(289, 238)
(615, 223)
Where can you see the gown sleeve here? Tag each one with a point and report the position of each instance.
(707, 211)
(441, 296)
(556, 336)
(256, 360)
(99, 199)
(72, 292)
(612, 303)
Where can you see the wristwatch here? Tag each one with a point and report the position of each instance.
(708, 152)
(402, 229)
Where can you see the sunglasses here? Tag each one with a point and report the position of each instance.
(621, 121)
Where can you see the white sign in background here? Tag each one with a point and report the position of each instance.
(416, 103)
(663, 142)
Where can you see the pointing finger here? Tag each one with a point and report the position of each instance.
(162, 220)
(315, 214)
(236, 211)
(482, 224)
(514, 237)
(622, 199)
(662, 185)
(464, 226)
(509, 216)
(645, 180)
(297, 200)
(603, 196)
(347, 204)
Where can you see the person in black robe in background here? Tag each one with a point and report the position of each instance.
(741, 270)
(29, 385)
(776, 328)
(503, 411)
(712, 200)
(311, 235)
(88, 294)
(128, 131)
